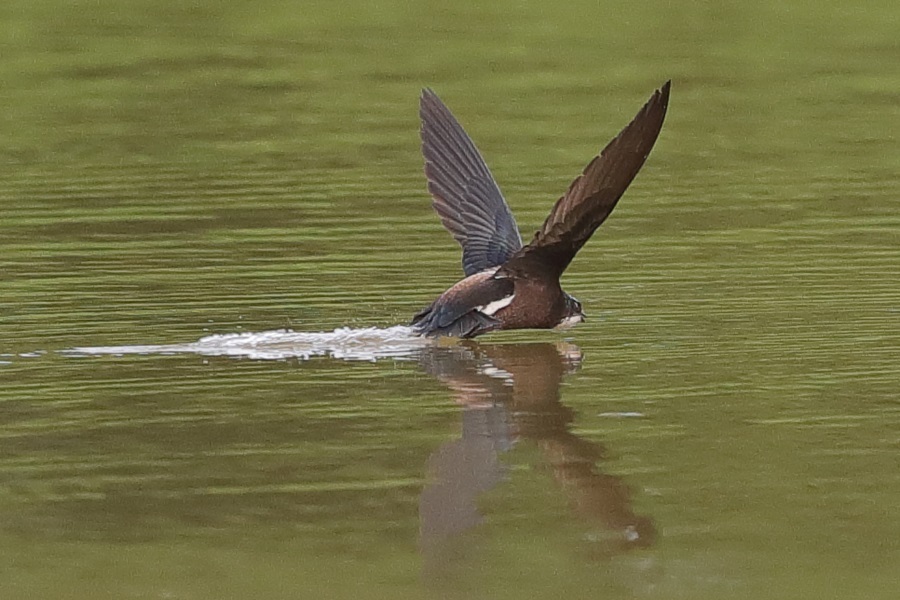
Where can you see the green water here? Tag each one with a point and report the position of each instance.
(725, 425)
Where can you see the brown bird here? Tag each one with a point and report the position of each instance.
(508, 286)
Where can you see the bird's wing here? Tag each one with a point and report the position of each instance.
(466, 309)
(464, 192)
(593, 195)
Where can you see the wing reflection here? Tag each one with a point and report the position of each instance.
(509, 394)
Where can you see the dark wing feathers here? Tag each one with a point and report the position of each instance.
(464, 192)
(455, 311)
(593, 195)
(469, 325)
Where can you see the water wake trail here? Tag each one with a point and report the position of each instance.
(369, 344)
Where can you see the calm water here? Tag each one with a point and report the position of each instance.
(206, 187)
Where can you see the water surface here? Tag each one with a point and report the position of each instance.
(210, 215)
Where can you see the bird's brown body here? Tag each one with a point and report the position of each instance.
(508, 285)
(538, 304)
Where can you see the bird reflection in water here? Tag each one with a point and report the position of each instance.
(510, 394)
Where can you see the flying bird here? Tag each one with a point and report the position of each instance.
(508, 285)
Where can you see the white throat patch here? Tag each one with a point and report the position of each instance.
(570, 322)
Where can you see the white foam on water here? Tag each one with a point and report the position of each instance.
(622, 415)
(369, 344)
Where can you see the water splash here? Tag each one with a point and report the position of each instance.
(369, 344)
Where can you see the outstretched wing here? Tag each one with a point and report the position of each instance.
(464, 192)
(593, 195)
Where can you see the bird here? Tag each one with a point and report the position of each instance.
(509, 285)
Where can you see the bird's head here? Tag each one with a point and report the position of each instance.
(573, 314)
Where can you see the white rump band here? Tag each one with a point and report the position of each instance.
(493, 307)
